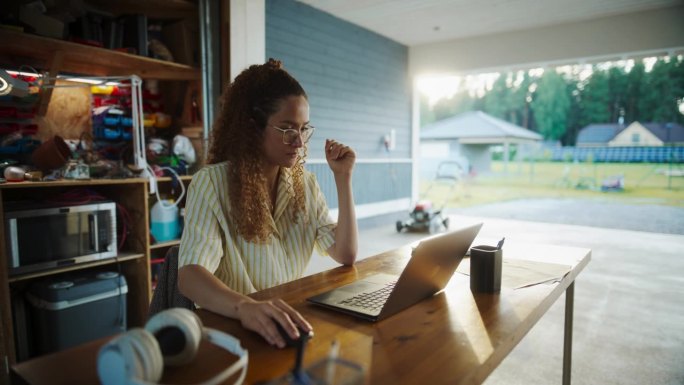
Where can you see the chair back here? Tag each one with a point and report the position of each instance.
(166, 295)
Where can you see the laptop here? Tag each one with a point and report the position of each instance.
(379, 296)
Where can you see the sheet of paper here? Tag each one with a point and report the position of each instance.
(518, 273)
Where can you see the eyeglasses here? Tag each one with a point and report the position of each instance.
(290, 135)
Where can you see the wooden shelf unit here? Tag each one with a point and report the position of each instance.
(63, 56)
(156, 9)
(121, 257)
(164, 245)
(57, 57)
(133, 261)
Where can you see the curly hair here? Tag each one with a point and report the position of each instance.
(237, 137)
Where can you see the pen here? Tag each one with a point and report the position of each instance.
(500, 244)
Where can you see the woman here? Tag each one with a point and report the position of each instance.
(254, 215)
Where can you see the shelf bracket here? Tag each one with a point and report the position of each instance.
(54, 64)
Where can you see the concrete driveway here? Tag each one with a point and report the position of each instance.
(596, 213)
(629, 301)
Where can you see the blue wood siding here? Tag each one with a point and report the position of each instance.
(372, 182)
(359, 90)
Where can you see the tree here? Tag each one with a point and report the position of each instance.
(427, 112)
(445, 108)
(617, 92)
(497, 100)
(664, 86)
(595, 99)
(677, 75)
(551, 105)
(559, 107)
(635, 89)
(509, 98)
(520, 100)
(455, 105)
(574, 114)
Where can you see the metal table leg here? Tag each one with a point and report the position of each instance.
(567, 341)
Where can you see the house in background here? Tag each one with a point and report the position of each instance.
(468, 138)
(634, 135)
(598, 135)
(649, 134)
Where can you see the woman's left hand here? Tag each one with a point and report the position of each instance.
(340, 158)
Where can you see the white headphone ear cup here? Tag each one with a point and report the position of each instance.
(149, 353)
(116, 362)
(132, 355)
(187, 323)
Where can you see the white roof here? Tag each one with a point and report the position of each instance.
(476, 125)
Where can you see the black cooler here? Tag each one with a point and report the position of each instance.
(74, 309)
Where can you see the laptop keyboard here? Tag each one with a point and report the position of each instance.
(373, 300)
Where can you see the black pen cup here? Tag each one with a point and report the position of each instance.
(485, 269)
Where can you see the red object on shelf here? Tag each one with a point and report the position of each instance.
(121, 91)
(20, 114)
(99, 101)
(156, 260)
(27, 78)
(8, 128)
(25, 129)
(8, 112)
(147, 95)
(29, 129)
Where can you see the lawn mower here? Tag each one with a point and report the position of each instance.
(423, 217)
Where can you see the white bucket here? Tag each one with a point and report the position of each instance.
(165, 224)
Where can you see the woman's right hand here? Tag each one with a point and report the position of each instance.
(260, 317)
(340, 158)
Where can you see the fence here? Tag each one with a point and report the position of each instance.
(619, 154)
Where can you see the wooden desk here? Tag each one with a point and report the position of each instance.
(454, 337)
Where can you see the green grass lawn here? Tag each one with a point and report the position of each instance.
(644, 183)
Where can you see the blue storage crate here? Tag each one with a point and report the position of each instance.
(111, 133)
(21, 146)
(112, 120)
(127, 121)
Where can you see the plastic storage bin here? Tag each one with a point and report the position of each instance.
(69, 311)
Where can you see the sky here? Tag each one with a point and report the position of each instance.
(437, 87)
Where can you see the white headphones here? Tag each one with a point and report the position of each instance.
(135, 357)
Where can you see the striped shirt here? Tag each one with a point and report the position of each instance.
(210, 238)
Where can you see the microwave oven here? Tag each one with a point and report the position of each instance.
(40, 237)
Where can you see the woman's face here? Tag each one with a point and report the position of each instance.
(293, 114)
